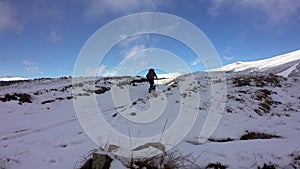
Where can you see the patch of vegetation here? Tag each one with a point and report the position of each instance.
(65, 88)
(78, 85)
(257, 80)
(83, 94)
(173, 159)
(69, 97)
(123, 83)
(256, 135)
(8, 97)
(220, 140)
(102, 90)
(174, 85)
(135, 81)
(243, 91)
(65, 77)
(267, 166)
(290, 107)
(7, 83)
(217, 165)
(229, 110)
(266, 101)
(38, 93)
(20, 131)
(89, 90)
(21, 97)
(138, 100)
(295, 159)
(48, 101)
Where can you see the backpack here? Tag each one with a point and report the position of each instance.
(150, 74)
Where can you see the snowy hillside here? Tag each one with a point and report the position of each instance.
(260, 124)
(283, 65)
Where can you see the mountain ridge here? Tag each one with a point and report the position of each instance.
(274, 65)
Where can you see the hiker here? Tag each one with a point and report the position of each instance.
(150, 77)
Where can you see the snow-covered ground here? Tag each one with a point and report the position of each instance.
(260, 123)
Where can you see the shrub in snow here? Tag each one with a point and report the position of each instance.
(173, 159)
(21, 97)
(217, 165)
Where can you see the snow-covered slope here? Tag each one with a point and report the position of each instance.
(167, 78)
(39, 127)
(284, 65)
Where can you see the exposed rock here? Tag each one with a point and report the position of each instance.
(101, 161)
(98, 161)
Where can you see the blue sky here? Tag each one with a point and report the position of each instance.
(43, 38)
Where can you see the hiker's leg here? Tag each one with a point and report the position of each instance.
(151, 85)
(149, 90)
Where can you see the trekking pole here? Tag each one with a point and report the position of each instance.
(157, 83)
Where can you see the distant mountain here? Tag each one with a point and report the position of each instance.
(167, 78)
(10, 78)
(284, 65)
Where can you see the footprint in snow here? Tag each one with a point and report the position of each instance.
(53, 160)
(63, 145)
(21, 131)
(132, 114)
(75, 142)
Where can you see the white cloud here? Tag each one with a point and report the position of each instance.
(110, 73)
(33, 70)
(172, 28)
(132, 47)
(214, 9)
(102, 70)
(225, 53)
(54, 36)
(31, 67)
(96, 8)
(123, 36)
(129, 41)
(137, 59)
(228, 58)
(133, 53)
(227, 50)
(8, 18)
(90, 72)
(276, 12)
(196, 62)
(29, 63)
(268, 14)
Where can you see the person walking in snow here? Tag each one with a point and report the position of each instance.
(150, 77)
